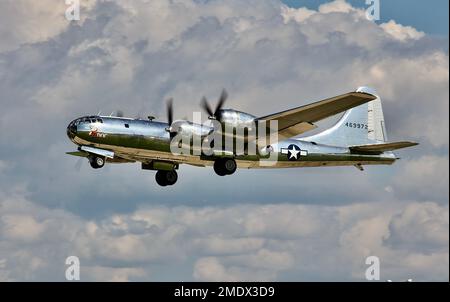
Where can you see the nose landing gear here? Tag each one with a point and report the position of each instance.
(97, 162)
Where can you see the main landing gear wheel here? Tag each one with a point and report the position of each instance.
(97, 162)
(225, 166)
(166, 178)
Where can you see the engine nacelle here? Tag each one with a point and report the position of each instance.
(189, 128)
(235, 118)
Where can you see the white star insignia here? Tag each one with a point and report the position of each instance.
(293, 153)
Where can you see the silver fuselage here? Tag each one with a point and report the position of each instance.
(145, 141)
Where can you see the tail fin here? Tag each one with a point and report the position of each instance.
(358, 126)
(375, 122)
(380, 148)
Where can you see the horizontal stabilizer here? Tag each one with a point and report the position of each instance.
(96, 151)
(84, 151)
(380, 148)
(78, 153)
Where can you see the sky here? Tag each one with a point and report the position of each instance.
(431, 18)
(265, 225)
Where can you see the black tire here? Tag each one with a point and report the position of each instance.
(225, 166)
(97, 162)
(218, 168)
(171, 177)
(160, 178)
(166, 178)
(229, 165)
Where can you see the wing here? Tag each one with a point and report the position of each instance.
(380, 148)
(299, 120)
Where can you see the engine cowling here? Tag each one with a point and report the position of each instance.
(235, 118)
(189, 128)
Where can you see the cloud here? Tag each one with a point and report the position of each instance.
(401, 32)
(33, 22)
(112, 274)
(21, 228)
(337, 6)
(134, 246)
(429, 173)
(297, 14)
(219, 246)
(420, 226)
(211, 269)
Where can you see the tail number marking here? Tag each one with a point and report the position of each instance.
(357, 125)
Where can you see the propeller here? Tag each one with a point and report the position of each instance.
(78, 164)
(215, 114)
(169, 108)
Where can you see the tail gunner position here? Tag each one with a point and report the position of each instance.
(357, 139)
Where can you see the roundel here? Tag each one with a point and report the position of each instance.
(293, 152)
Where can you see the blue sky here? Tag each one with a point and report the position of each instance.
(289, 224)
(428, 16)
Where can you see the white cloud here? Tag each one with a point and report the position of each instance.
(423, 226)
(264, 259)
(396, 233)
(337, 6)
(15, 227)
(428, 172)
(401, 32)
(211, 269)
(34, 21)
(298, 14)
(113, 274)
(3, 166)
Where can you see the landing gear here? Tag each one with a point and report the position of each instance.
(225, 166)
(166, 178)
(97, 162)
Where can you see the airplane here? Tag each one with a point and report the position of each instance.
(358, 138)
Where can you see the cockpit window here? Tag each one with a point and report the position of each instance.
(127, 126)
(88, 120)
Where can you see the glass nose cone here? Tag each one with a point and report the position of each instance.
(71, 130)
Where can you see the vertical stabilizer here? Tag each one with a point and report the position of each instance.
(358, 126)
(377, 129)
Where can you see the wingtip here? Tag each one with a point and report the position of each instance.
(367, 90)
(410, 143)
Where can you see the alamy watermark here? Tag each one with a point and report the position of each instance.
(216, 138)
(73, 10)
(73, 269)
(373, 271)
(373, 11)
